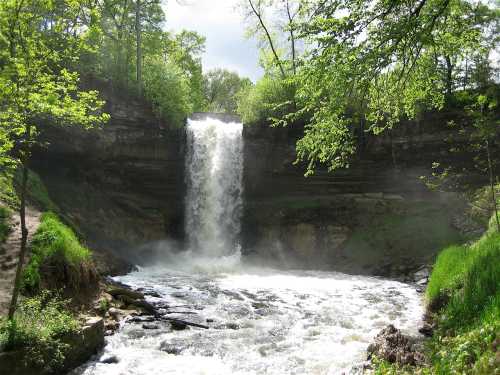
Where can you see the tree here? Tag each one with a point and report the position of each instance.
(185, 49)
(36, 88)
(386, 56)
(221, 89)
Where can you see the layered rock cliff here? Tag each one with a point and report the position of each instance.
(123, 186)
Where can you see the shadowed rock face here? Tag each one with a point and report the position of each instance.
(121, 185)
(376, 217)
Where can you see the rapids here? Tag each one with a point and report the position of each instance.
(262, 321)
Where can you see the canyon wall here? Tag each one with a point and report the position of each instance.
(123, 186)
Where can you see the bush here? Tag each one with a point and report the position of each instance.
(38, 328)
(269, 98)
(57, 244)
(167, 88)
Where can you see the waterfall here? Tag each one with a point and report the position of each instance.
(214, 173)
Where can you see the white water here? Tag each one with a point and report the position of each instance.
(286, 322)
(262, 321)
(214, 169)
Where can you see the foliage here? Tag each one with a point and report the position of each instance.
(5, 228)
(267, 100)
(167, 89)
(184, 50)
(222, 88)
(52, 240)
(366, 65)
(38, 327)
(8, 194)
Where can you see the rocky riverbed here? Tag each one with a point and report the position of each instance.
(233, 318)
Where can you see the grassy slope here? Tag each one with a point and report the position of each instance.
(53, 240)
(464, 293)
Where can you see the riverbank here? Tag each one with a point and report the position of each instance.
(462, 313)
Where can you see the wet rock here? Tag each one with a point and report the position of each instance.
(114, 313)
(178, 326)
(233, 326)
(150, 326)
(111, 325)
(172, 347)
(391, 345)
(109, 359)
(141, 319)
(427, 329)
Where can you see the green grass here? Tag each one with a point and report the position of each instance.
(468, 319)
(5, 228)
(38, 327)
(53, 240)
(470, 276)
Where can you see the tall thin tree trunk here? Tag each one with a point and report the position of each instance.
(24, 229)
(449, 76)
(292, 37)
(269, 38)
(139, 44)
(492, 185)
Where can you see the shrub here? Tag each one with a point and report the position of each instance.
(38, 328)
(56, 244)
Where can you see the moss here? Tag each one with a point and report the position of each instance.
(53, 242)
(420, 230)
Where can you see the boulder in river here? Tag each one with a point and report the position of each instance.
(393, 346)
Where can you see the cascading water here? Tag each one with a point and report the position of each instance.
(214, 169)
(261, 320)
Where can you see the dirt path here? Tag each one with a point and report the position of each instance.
(9, 252)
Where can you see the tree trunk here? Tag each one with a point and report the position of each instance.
(449, 76)
(292, 37)
(139, 44)
(269, 38)
(492, 186)
(24, 230)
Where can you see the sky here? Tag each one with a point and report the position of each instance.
(222, 24)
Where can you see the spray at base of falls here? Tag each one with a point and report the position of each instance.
(214, 171)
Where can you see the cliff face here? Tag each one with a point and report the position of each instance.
(121, 185)
(376, 217)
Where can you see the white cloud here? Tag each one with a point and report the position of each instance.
(221, 23)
